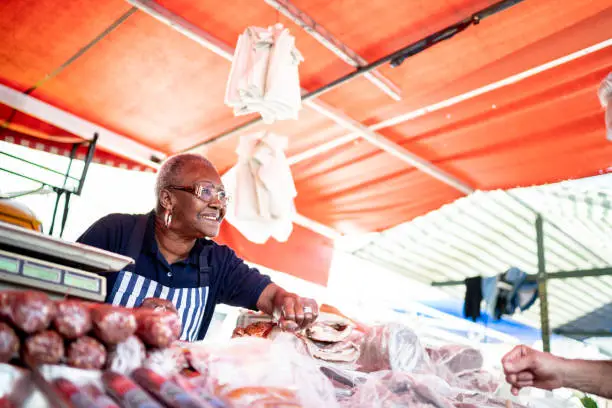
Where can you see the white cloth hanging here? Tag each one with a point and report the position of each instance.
(264, 77)
(262, 189)
(605, 97)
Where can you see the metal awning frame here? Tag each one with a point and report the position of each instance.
(542, 277)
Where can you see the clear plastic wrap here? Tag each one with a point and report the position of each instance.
(251, 371)
(400, 389)
(456, 358)
(392, 347)
(167, 362)
(127, 356)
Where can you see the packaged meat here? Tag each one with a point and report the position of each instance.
(72, 319)
(112, 324)
(457, 358)
(158, 328)
(100, 398)
(127, 356)
(165, 390)
(46, 347)
(254, 367)
(31, 311)
(126, 392)
(257, 329)
(159, 305)
(87, 353)
(393, 347)
(9, 343)
(263, 397)
(72, 394)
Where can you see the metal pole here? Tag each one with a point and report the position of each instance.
(88, 160)
(581, 273)
(542, 278)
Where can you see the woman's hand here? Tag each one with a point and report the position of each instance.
(292, 311)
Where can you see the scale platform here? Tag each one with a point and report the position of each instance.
(34, 260)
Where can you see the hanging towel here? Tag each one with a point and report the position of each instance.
(264, 76)
(262, 188)
(473, 297)
(605, 97)
(489, 293)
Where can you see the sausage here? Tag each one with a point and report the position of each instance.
(87, 353)
(195, 384)
(72, 319)
(46, 347)
(158, 304)
(158, 329)
(75, 396)
(100, 398)
(9, 343)
(112, 324)
(126, 356)
(126, 392)
(165, 390)
(31, 311)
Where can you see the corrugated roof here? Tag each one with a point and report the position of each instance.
(488, 232)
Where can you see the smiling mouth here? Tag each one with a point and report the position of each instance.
(215, 218)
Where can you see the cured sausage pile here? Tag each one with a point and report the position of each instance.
(37, 330)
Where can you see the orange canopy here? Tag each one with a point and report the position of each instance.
(154, 85)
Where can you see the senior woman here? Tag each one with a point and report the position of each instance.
(175, 261)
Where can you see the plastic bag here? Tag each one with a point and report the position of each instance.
(400, 389)
(249, 371)
(392, 347)
(605, 97)
(456, 358)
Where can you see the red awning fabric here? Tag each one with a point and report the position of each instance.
(306, 255)
(152, 84)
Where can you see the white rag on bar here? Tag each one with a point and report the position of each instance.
(605, 97)
(264, 76)
(262, 189)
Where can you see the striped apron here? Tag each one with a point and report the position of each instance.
(131, 289)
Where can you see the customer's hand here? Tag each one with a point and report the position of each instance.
(526, 367)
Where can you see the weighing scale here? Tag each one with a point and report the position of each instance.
(29, 259)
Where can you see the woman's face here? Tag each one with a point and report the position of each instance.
(194, 217)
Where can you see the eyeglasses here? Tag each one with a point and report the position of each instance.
(205, 193)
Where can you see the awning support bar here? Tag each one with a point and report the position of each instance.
(581, 273)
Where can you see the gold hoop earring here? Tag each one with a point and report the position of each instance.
(168, 219)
